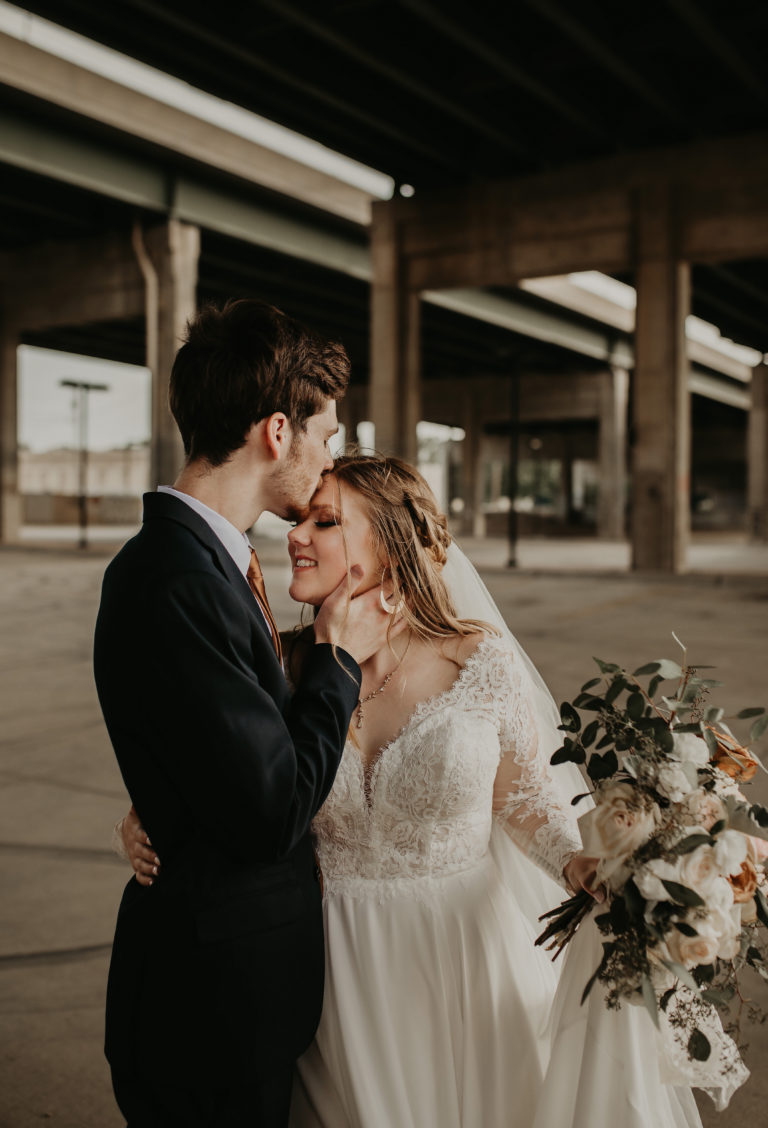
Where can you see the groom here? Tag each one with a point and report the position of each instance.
(215, 984)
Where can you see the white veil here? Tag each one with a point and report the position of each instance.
(472, 600)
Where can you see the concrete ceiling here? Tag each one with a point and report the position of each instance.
(431, 94)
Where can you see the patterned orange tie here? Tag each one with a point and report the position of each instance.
(256, 581)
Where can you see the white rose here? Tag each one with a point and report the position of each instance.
(649, 878)
(700, 869)
(690, 748)
(617, 826)
(705, 808)
(672, 781)
(720, 896)
(730, 851)
(693, 950)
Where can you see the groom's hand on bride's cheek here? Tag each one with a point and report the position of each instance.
(358, 625)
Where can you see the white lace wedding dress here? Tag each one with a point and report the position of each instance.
(436, 1000)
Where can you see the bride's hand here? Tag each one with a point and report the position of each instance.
(139, 849)
(580, 874)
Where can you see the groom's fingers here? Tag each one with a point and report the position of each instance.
(359, 625)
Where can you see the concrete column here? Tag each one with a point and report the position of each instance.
(757, 456)
(612, 453)
(10, 499)
(174, 250)
(470, 453)
(395, 381)
(662, 440)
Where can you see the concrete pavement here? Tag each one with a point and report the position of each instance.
(62, 792)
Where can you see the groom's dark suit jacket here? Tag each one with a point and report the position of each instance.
(219, 965)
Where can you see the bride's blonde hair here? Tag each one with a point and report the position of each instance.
(410, 537)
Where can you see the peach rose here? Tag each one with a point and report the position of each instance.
(733, 759)
(617, 826)
(744, 883)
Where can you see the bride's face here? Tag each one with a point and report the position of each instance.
(316, 545)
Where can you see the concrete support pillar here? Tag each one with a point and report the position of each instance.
(757, 456)
(612, 453)
(351, 411)
(471, 467)
(10, 498)
(173, 251)
(395, 381)
(662, 440)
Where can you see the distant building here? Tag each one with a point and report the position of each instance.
(116, 479)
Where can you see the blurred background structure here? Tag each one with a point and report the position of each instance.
(541, 233)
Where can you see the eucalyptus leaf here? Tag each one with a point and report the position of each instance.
(758, 728)
(742, 818)
(617, 686)
(590, 732)
(711, 740)
(750, 713)
(762, 906)
(698, 1046)
(606, 667)
(685, 929)
(665, 999)
(602, 767)
(590, 684)
(691, 843)
(653, 685)
(718, 996)
(713, 715)
(570, 753)
(570, 718)
(665, 668)
(634, 900)
(682, 973)
(635, 705)
(682, 895)
(649, 998)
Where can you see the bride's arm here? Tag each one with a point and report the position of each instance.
(527, 801)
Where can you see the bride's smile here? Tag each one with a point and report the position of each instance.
(335, 534)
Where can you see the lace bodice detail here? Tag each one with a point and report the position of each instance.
(424, 810)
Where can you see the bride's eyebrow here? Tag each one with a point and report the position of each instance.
(329, 511)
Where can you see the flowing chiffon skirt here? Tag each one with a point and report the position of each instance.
(438, 1013)
(604, 1066)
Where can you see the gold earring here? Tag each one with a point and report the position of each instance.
(386, 606)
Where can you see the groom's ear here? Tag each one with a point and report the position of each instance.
(277, 435)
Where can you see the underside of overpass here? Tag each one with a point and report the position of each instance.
(444, 101)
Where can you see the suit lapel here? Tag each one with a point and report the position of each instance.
(170, 508)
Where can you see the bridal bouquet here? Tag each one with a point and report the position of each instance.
(681, 851)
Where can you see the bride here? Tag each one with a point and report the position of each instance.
(437, 1009)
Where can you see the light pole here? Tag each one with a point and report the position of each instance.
(83, 388)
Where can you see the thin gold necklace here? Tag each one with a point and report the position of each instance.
(375, 693)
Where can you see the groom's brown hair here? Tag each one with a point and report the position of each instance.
(242, 362)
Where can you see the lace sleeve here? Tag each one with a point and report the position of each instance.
(527, 800)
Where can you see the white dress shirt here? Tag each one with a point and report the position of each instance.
(236, 542)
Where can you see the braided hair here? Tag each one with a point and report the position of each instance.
(410, 537)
